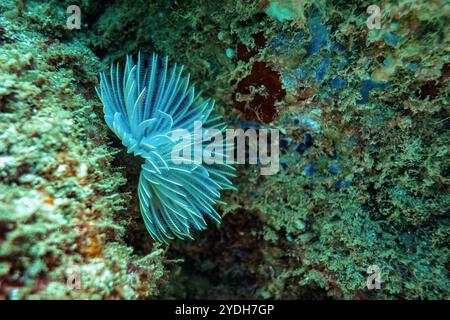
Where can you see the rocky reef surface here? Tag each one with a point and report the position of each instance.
(363, 115)
(62, 223)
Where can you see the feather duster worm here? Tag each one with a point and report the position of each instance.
(144, 106)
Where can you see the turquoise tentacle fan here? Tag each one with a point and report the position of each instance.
(144, 106)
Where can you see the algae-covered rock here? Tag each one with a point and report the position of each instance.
(62, 217)
(363, 117)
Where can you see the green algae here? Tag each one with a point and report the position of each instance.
(291, 235)
(60, 207)
(280, 13)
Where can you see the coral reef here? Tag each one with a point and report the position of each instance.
(62, 223)
(363, 116)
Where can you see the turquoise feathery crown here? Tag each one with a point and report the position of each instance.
(143, 106)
